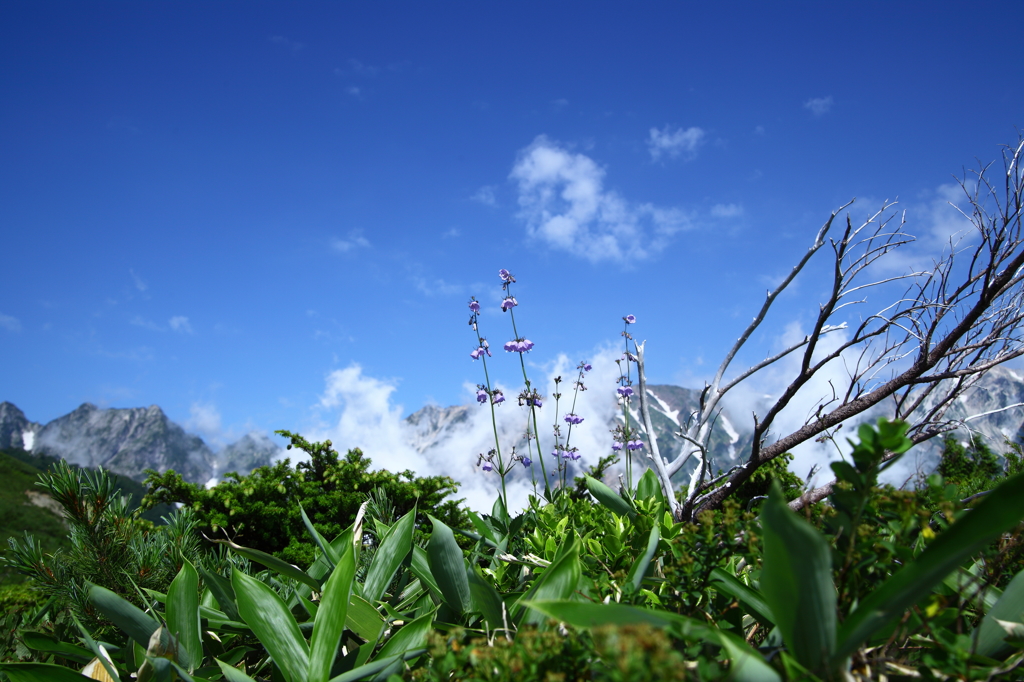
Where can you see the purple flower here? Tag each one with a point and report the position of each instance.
(497, 397)
(534, 402)
(505, 275)
(477, 353)
(630, 319)
(518, 345)
(635, 444)
(572, 454)
(487, 466)
(526, 461)
(625, 391)
(572, 419)
(525, 345)
(481, 395)
(508, 304)
(474, 306)
(587, 367)
(616, 446)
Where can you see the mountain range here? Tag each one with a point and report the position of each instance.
(129, 441)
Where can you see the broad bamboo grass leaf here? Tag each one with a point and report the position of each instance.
(648, 486)
(222, 591)
(130, 618)
(363, 619)
(558, 581)
(997, 513)
(102, 660)
(639, 569)
(273, 563)
(40, 672)
(609, 498)
(486, 600)
(182, 611)
(330, 618)
(268, 617)
(746, 664)
(448, 567)
(420, 567)
(232, 674)
(39, 641)
(990, 637)
(412, 635)
(481, 526)
(394, 548)
(754, 600)
(796, 581)
(364, 671)
(332, 555)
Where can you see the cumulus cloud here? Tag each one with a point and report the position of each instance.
(355, 240)
(357, 410)
(564, 204)
(139, 284)
(204, 419)
(819, 106)
(11, 324)
(674, 143)
(180, 324)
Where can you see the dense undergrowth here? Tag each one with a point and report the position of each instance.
(589, 584)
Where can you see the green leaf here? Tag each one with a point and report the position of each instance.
(102, 657)
(448, 567)
(232, 674)
(639, 569)
(376, 666)
(991, 637)
(608, 497)
(486, 600)
(481, 526)
(51, 645)
(558, 581)
(731, 585)
(393, 550)
(40, 672)
(273, 563)
(222, 591)
(649, 486)
(420, 567)
(746, 664)
(122, 613)
(183, 613)
(265, 612)
(412, 635)
(363, 619)
(796, 581)
(329, 552)
(997, 513)
(330, 618)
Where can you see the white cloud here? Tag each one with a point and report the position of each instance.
(675, 143)
(353, 90)
(485, 195)
(564, 204)
(205, 420)
(11, 324)
(361, 69)
(354, 240)
(759, 130)
(819, 105)
(140, 321)
(436, 286)
(726, 210)
(358, 411)
(451, 233)
(139, 284)
(180, 324)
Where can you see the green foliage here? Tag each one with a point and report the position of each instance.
(18, 514)
(972, 468)
(261, 510)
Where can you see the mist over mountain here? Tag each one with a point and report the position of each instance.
(447, 439)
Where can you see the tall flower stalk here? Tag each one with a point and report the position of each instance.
(626, 436)
(492, 396)
(565, 452)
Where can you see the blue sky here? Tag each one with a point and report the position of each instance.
(221, 208)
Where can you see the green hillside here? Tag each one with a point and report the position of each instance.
(19, 471)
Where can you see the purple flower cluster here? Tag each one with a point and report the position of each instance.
(506, 276)
(635, 444)
(572, 419)
(509, 303)
(630, 319)
(518, 345)
(481, 394)
(474, 306)
(484, 348)
(625, 391)
(497, 397)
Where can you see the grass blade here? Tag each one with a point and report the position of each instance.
(558, 581)
(608, 498)
(330, 618)
(393, 550)
(130, 618)
(448, 567)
